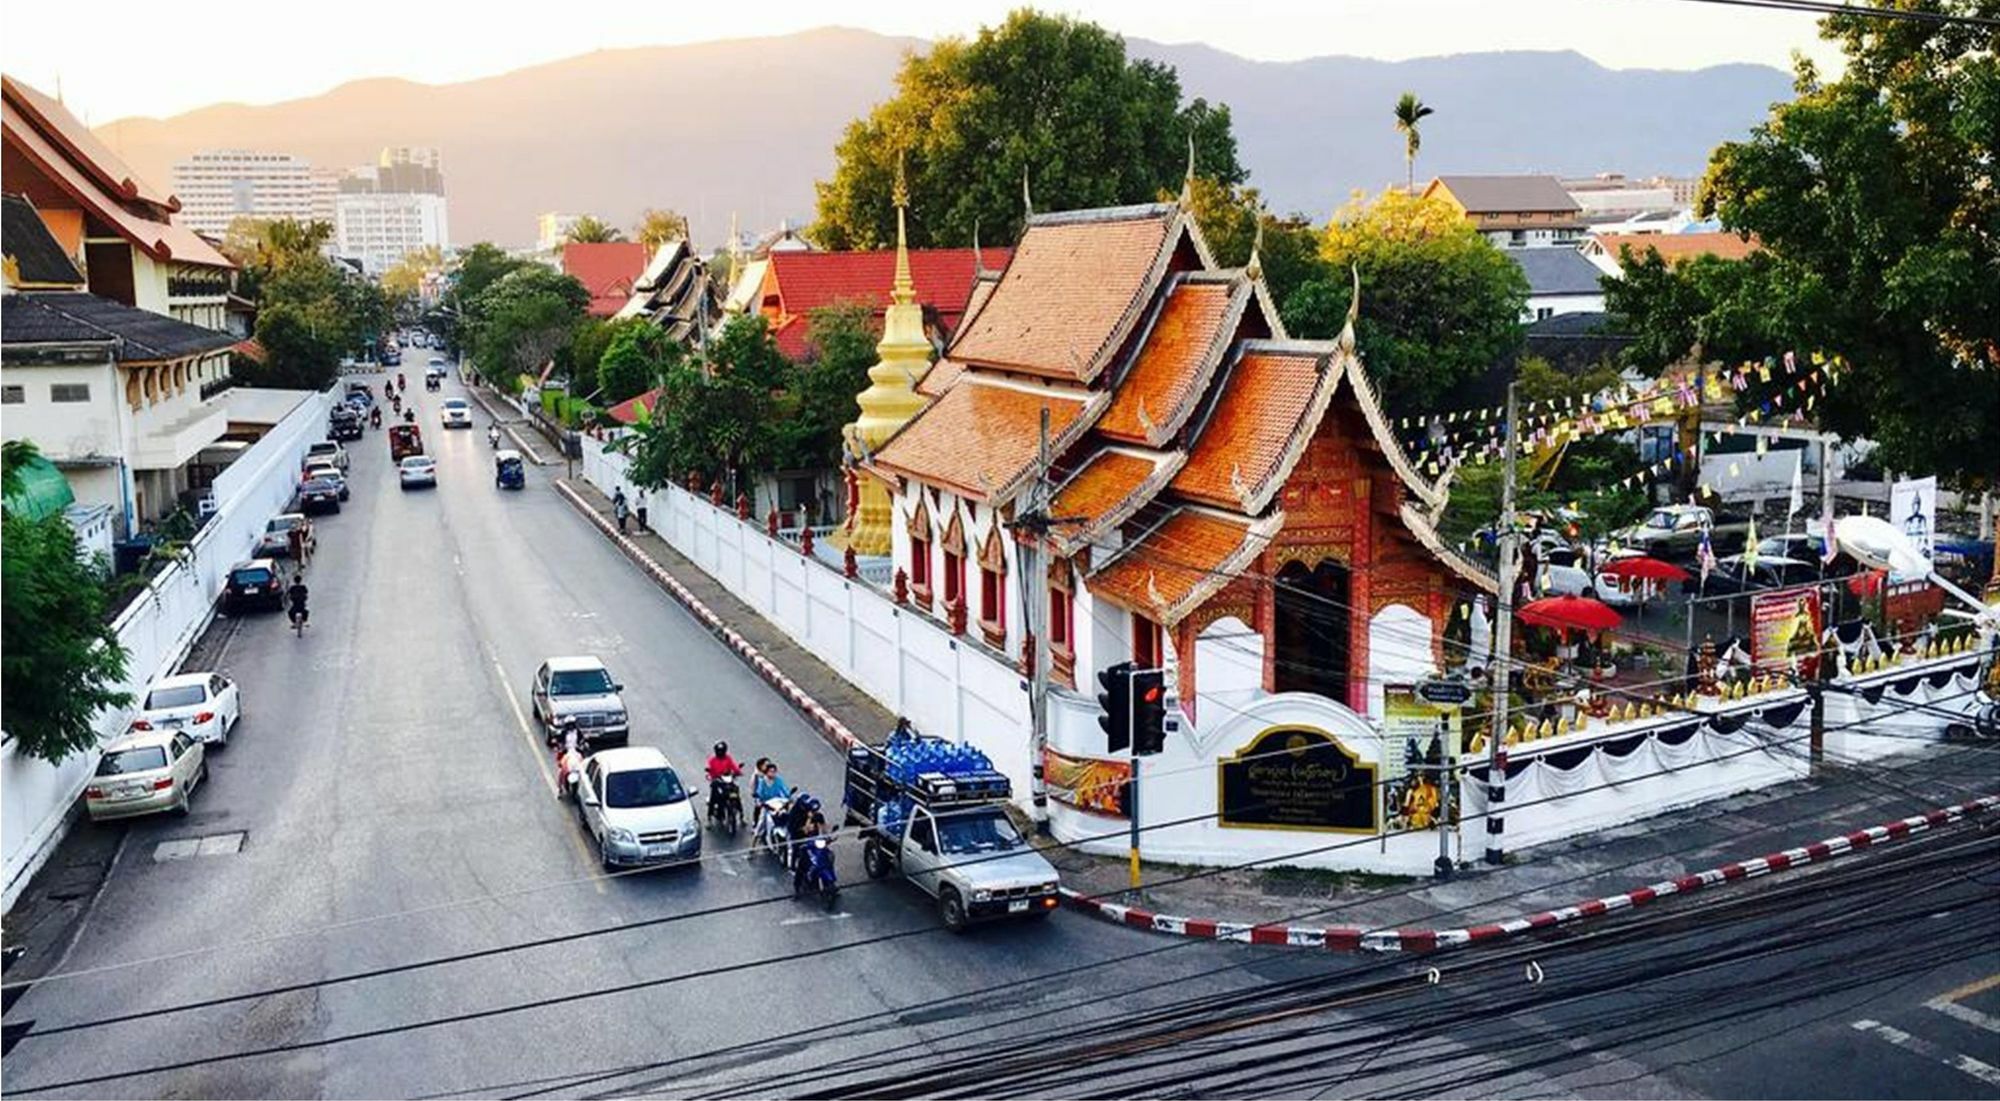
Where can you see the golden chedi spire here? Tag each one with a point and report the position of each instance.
(891, 398)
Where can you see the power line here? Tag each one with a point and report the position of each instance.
(1817, 7)
(685, 976)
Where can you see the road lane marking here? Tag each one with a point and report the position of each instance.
(1965, 1013)
(1965, 1064)
(541, 761)
(841, 916)
(1980, 986)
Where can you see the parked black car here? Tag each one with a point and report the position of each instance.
(257, 583)
(319, 495)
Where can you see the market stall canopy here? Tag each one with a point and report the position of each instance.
(1644, 568)
(1569, 613)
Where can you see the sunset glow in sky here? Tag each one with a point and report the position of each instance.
(273, 52)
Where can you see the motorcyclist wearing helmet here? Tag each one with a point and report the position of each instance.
(806, 823)
(721, 764)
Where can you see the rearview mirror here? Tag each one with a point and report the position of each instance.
(618, 688)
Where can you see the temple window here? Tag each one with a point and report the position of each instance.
(1148, 644)
(993, 588)
(953, 545)
(920, 555)
(1062, 622)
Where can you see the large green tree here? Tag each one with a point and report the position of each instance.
(722, 418)
(1042, 98)
(60, 661)
(1289, 252)
(522, 321)
(311, 311)
(1875, 196)
(819, 394)
(1439, 304)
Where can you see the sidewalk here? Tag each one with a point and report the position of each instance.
(797, 672)
(1577, 874)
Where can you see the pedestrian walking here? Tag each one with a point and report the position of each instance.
(619, 509)
(641, 510)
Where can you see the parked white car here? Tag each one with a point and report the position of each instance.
(417, 470)
(204, 706)
(146, 772)
(636, 809)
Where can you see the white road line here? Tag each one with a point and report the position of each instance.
(841, 916)
(1966, 1064)
(536, 751)
(1964, 1013)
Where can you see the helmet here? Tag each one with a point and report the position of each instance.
(810, 803)
(722, 749)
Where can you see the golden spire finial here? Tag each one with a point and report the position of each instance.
(904, 290)
(1254, 267)
(978, 257)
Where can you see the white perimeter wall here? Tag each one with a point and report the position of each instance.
(909, 663)
(156, 630)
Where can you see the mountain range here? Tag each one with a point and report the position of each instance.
(743, 127)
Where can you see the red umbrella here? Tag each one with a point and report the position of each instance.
(1568, 613)
(1644, 568)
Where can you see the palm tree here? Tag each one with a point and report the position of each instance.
(590, 230)
(1409, 112)
(657, 227)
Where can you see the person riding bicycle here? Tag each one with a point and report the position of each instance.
(295, 599)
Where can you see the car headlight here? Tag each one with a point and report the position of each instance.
(982, 895)
(622, 836)
(616, 717)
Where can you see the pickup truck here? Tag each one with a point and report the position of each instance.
(1673, 533)
(946, 830)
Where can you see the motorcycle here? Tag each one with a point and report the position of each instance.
(725, 804)
(375, 417)
(493, 436)
(771, 835)
(819, 879)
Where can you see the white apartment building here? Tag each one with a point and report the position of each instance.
(380, 228)
(552, 229)
(217, 186)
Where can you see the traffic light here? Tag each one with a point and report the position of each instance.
(1116, 702)
(1149, 711)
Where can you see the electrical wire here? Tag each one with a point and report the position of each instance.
(635, 985)
(1815, 7)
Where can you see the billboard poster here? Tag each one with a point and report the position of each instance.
(1784, 631)
(1913, 509)
(1091, 784)
(1296, 778)
(1415, 735)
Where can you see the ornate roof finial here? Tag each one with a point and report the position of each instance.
(1346, 338)
(904, 291)
(978, 257)
(1027, 202)
(1187, 181)
(1254, 267)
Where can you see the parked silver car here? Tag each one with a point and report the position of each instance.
(146, 772)
(636, 809)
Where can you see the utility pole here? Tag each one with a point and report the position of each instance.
(1442, 868)
(1035, 600)
(1132, 748)
(1503, 641)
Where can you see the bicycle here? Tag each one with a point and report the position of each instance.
(299, 617)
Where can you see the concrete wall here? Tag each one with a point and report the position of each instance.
(907, 661)
(156, 630)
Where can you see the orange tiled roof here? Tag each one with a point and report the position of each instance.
(83, 146)
(981, 438)
(158, 237)
(1272, 399)
(1678, 248)
(1107, 489)
(939, 378)
(1173, 367)
(1071, 291)
(1182, 562)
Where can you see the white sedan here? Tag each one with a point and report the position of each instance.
(417, 470)
(457, 413)
(204, 706)
(144, 772)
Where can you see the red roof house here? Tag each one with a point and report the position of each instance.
(797, 283)
(607, 270)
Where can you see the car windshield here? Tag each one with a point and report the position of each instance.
(1777, 547)
(258, 576)
(125, 761)
(184, 695)
(579, 682)
(282, 523)
(454, 403)
(989, 832)
(415, 462)
(1661, 518)
(643, 787)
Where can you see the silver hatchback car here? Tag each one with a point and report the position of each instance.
(636, 810)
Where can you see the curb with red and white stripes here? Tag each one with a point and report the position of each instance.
(822, 720)
(1347, 938)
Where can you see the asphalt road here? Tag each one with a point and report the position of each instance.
(395, 807)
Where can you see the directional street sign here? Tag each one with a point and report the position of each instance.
(1444, 693)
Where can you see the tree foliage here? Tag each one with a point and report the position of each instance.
(720, 419)
(522, 321)
(1410, 113)
(1439, 304)
(635, 359)
(1041, 97)
(657, 227)
(60, 661)
(1873, 196)
(1290, 252)
(820, 392)
(592, 230)
(311, 310)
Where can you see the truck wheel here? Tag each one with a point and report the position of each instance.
(874, 860)
(951, 910)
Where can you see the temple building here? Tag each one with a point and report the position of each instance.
(1223, 500)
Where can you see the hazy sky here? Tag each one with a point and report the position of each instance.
(147, 58)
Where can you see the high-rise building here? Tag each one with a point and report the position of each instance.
(218, 186)
(380, 228)
(552, 229)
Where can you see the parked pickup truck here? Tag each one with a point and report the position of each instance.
(935, 813)
(1673, 533)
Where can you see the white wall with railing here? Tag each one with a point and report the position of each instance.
(911, 664)
(156, 630)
